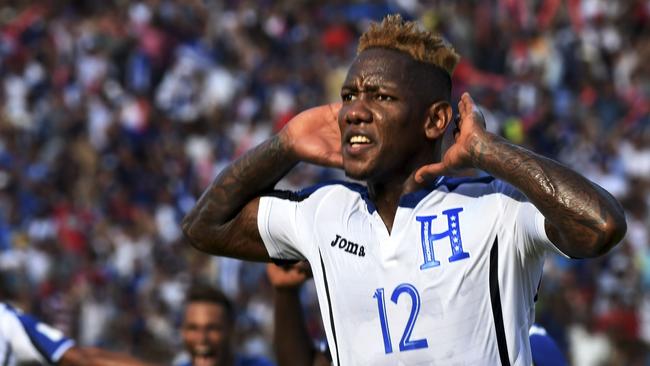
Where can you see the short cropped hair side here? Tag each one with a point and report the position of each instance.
(200, 292)
(395, 33)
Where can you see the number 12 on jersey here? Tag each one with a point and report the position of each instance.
(405, 343)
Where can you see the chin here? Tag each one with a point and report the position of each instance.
(356, 174)
(357, 169)
(205, 361)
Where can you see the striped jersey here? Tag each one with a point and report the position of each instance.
(24, 339)
(453, 282)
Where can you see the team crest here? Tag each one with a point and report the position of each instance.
(428, 238)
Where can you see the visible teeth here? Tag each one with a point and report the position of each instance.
(359, 140)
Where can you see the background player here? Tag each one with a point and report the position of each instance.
(24, 339)
(207, 330)
(394, 113)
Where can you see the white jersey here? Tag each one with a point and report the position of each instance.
(453, 283)
(24, 339)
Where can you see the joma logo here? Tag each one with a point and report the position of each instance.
(348, 246)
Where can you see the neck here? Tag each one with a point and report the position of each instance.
(385, 192)
(386, 196)
(228, 359)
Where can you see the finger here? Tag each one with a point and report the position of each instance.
(461, 105)
(466, 104)
(302, 266)
(429, 172)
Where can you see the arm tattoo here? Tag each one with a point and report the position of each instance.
(581, 218)
(211, 225)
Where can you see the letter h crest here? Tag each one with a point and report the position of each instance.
(453, 233)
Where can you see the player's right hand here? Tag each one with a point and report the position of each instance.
(313, 136)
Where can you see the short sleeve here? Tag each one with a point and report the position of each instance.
(278, 221)
(527, 221)
(531, 229)
(32, 340)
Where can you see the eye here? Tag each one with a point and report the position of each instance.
(384, 98)
(348, 97)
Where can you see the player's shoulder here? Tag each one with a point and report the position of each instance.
(6, 313)
(330, 187)
(476, 186)
(6, 310)
(4, 307)
(463, 185)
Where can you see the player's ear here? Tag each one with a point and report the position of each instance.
(438, 118)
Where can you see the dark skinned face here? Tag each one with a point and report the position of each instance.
(385, 103)
(206, 333)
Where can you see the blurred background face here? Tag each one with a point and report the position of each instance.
(206, 333)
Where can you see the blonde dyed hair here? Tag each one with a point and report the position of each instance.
(395, 33)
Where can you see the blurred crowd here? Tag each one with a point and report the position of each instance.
(115, 115)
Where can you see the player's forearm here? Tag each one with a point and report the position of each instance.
(245, 179)
(291, 341)
(581, 218)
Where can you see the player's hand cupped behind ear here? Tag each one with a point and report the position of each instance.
(470, 137)
(314, 136)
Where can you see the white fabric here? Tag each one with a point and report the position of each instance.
(24, 339)
(455, 314)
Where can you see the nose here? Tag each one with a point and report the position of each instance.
(358, 112)
(202, 337)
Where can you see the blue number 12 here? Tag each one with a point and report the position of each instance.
(405, 344)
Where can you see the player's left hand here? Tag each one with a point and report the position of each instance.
(469, 135)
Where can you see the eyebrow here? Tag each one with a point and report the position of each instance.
(369, 86)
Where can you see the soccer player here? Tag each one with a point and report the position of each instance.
(413, 267)
(207, 330)
(24, 340)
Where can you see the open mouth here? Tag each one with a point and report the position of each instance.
(357, 140)
(203, 356)
(358, 143)
(204, 361)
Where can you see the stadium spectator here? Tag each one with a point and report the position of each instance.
(208, 329)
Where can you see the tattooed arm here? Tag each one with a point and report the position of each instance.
(224, 220)
(582, 219)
